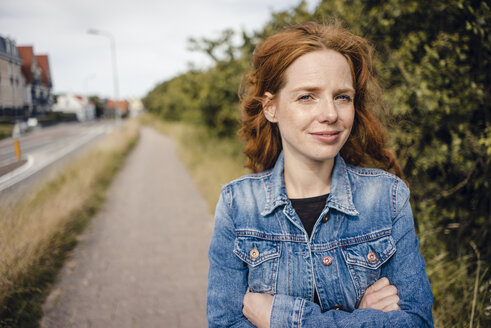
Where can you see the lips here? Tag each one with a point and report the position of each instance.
(326, 136)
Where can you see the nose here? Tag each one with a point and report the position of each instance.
(327, 112)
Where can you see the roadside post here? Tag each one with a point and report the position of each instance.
(17, 149)
(16, 135)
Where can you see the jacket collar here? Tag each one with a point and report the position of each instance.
(340, 197)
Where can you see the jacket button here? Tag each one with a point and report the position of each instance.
(326, 260)
(254, 253)
(372, 257)
(325, 218)
(337, 307)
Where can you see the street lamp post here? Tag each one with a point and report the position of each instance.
(115, 69)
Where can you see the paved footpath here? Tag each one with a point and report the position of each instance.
(142, 261)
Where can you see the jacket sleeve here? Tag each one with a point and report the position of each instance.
(227, 277)
(405, 270)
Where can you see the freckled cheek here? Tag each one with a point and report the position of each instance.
(347, 117)
(294, 122)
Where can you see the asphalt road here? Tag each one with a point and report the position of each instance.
(42, 149)
(142, 261)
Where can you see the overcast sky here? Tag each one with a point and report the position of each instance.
(151, 36)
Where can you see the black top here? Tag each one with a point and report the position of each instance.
(309, 209)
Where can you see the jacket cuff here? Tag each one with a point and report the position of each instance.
(286, 311)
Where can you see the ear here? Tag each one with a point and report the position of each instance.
(269, 107)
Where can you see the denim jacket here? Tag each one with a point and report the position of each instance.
(259, 244)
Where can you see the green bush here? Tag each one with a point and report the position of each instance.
(56, 117)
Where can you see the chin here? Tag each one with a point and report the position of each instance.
(326, 154)
(324, 157)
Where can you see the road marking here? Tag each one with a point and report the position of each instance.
(29, 168)
(11, 178)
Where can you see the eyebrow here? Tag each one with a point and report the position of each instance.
(344, 90)
(314, 89)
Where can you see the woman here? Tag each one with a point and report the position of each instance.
(312, 240)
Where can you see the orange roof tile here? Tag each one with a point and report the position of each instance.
(43, 63)
(26, 53)
(122, 104)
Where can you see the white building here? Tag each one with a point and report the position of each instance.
(135, 107)
(11, 80)
(80, 105)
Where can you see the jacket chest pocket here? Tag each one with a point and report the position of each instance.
(261, 256)
(365, 259)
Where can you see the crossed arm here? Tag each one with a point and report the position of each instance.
(379, 296)
(406, 270)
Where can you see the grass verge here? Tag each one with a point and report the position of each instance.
(211, 161)
(6, 131)
(38, 232)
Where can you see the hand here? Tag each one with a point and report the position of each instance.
(380, 296)
(257, 308)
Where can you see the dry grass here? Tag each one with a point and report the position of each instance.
(461, 299)
(36, 233)
(211, 161)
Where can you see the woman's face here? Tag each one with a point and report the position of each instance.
(314, 110)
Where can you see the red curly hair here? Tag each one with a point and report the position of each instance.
(367, 143)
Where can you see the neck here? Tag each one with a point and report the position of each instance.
(307, 179)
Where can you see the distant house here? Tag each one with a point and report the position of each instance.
(45, 100)
(122, 106)
(80, 105)
(11, 81)
(37, 91)
(32, 77)
(136, 107)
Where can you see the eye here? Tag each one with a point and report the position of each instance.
(305, 97)
(344, 98)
